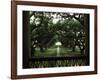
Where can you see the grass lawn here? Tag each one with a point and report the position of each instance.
(52, 51)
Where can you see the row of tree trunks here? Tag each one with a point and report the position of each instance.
(26, 38)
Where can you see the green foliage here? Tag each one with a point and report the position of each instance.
(48, 26)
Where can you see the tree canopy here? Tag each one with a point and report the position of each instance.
(48, 27)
